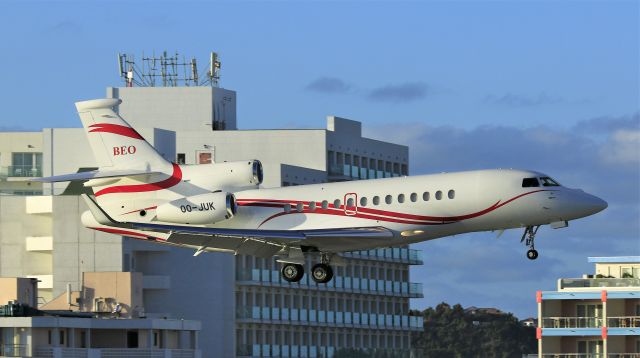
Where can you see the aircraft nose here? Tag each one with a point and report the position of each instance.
(591, 204)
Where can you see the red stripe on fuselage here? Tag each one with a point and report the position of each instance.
(174, 179)
(115, 129)
(374, 214)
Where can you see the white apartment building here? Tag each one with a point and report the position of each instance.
(597, 315)
(244, 307)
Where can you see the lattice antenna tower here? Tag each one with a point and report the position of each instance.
(167, 71)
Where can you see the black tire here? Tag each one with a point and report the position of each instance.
(292, 272)
(532, 254)
(321, 273)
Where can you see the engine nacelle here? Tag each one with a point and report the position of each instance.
(227, 176)
(200, 209)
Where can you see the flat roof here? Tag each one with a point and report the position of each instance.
(615, 259)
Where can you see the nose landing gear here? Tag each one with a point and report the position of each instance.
(529, 235)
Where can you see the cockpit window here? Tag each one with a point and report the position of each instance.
(546, 181)
(530, 182)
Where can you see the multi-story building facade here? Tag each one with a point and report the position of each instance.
(244, 307)
(594, 316)
(104, 319)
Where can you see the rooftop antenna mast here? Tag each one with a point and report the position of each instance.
(167, 71)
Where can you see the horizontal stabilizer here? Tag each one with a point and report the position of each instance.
(94, 174)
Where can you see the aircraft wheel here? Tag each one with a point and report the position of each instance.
(532, 254)
(292, 272)
(321, 273)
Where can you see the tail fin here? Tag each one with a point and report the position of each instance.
(114, 143)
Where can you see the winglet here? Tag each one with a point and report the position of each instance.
(100, 215)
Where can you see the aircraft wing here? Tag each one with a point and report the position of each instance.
(94, 174)
(266, 243)
(261, 243)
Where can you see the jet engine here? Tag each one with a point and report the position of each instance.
(200, 209)
(227, 176)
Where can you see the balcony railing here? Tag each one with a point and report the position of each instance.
(571, 322)
(395, 254)
(573, 355)
(624, 322)
(18, 171)
(13, 350)
(329, 318)
(599, 282)
(339, 283)
(116, 352)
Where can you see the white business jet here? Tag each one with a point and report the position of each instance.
(220, 207)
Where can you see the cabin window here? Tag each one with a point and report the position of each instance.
(388, 199)
(401, 198)
(546, 181)
(336, 203)
(451, 194)
(312, 206)
(363, 201)
(350, 203)
(438, 195)
(414, 197)
(299, 207)
(325, 205)
(287, 208)
(425, 196)
(530, 183)
(376, 200)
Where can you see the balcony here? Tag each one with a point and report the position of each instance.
(584, 355)
(623, 322)
(306, 317)
(396, 254)
(20, 171)
(572, 322)
(565, 283)
(14, 350)
(117, 352)
(260, 277)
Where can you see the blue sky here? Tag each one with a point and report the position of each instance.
(551, 86)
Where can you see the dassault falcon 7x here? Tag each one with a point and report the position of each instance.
(220, 206)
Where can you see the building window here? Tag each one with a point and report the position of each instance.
(414, 197)
(204, 157)
(388, 199)
(26, 165)
(363, 201)
(451, 194)
(438, 195)
(376, 200)
(405, 170)
(401, 198)
(425, 196)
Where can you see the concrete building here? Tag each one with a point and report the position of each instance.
(594, 316)
(244, 307)
(104, 319)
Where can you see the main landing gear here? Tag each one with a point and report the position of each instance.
(529, 235)
(320, 272)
